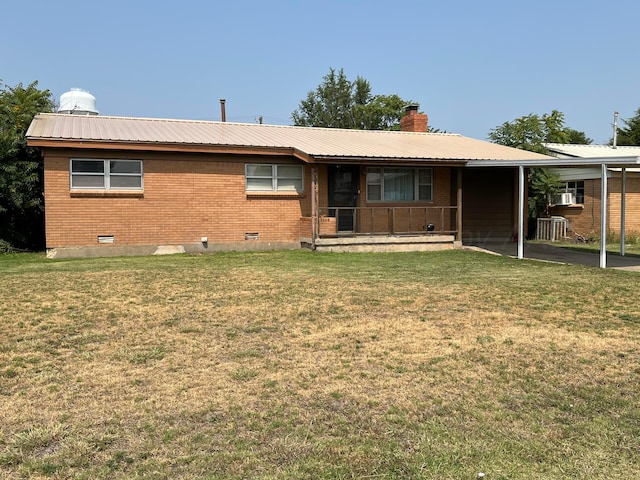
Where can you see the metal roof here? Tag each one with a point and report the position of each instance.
(560, 162)
(589, 151)
(316, 143)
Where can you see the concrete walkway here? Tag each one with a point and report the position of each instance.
(551, 253)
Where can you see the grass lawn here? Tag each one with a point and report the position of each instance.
(301, 365)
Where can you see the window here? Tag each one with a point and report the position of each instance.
(274, 178)
(576, 188)
(399, 184)
(106, 174)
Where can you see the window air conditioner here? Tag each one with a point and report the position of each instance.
(565, 199)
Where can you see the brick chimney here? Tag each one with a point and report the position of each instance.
(414, 121)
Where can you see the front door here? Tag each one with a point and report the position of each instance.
(343, 192)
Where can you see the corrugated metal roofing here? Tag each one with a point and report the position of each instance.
(589, 151)
(320, 143)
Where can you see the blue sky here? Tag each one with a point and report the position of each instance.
(470, 65)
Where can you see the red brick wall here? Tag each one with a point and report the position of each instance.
(632, 204)
(185, 198)
(585, 219)
(190, 196)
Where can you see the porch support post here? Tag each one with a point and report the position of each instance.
(603, 217)
(314, 206)
(459, 206)
(623, 207)
(520, 212)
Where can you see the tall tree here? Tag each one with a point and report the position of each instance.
(577, 137)
(630, 135)
(531, 132)
(21, 169)
(340, 103)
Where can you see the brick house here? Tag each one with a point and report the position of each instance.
(116, 185)
(582, 189)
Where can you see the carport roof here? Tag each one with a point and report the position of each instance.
(311, 144)
(622, 161)
(582, 151)
(575, 156)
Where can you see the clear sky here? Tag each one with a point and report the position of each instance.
(471, 65)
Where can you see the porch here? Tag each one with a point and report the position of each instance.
(365, 229)
(409, 220)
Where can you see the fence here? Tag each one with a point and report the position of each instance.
(553, 228)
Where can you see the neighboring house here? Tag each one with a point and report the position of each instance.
(116, 185)
(581, 186)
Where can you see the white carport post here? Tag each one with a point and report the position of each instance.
(520, 212)
(603, 217)
(623, 207)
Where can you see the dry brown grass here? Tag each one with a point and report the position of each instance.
(301, 365)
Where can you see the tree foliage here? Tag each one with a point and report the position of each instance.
(577, 137)
(21, 170)
(531, 132)
(340, 103)
(543, 185)
(630, 135)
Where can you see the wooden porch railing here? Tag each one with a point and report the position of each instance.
(386, 221)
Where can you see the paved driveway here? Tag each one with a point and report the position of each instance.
(552, 253)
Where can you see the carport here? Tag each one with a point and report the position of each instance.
(609, 162)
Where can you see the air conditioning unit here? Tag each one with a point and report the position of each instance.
(565, 199)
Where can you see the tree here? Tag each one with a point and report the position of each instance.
(21, 169)
(340, 103)
(577, 137)
(543, 185)
(531, 132)
(629, 135)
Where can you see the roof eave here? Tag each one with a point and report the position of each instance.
(341, 159)
(168, 147)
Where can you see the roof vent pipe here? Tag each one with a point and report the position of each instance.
(615, 129)
(223, 113)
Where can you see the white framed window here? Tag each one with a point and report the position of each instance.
(91, 174)
(274, 178)
(399, 184)
(576, 188)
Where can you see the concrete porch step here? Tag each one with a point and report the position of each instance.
(381, 243)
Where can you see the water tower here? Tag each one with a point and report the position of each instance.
(78, 102)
